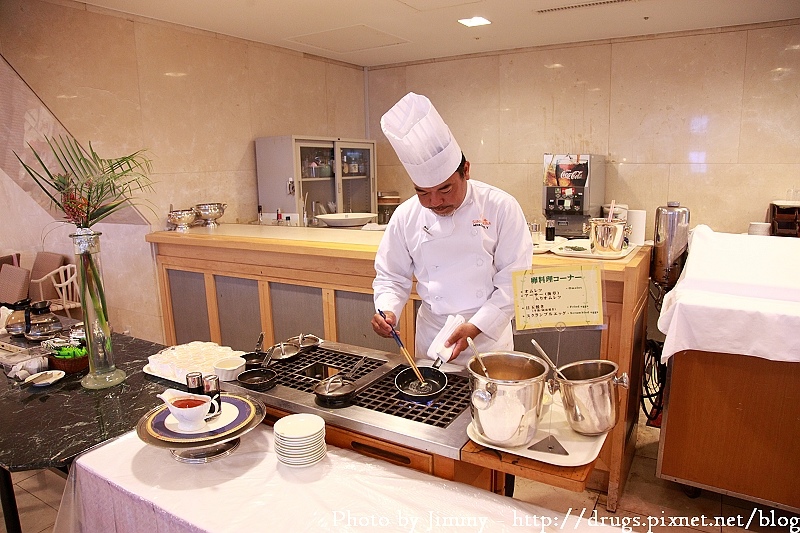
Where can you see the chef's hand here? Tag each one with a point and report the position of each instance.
(459, 338)
(384, 327)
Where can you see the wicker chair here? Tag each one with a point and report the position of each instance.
(64, 281)
(43, 265)
(14, 283)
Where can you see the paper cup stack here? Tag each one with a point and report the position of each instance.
(300, 439)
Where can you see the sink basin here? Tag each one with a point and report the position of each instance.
(346, 219)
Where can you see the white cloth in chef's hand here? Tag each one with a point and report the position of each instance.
(437, 349)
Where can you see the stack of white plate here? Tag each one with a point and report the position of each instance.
(300, 439)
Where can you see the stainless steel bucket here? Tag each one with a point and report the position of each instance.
(607, 236)
(506, 405)
(589, 395)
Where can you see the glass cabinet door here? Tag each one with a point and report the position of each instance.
(355, 163)
(317, 190)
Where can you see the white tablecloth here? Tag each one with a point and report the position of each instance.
(738, 294)
(129, 486)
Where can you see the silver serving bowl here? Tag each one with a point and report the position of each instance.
(182, 218)
(210, 212)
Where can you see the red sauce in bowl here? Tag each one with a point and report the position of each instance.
(187, 403)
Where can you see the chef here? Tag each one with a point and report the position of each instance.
(460, 238)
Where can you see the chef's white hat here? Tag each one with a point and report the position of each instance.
(422, 140)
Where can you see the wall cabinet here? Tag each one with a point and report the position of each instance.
(315, 175)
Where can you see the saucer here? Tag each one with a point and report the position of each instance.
(51, 377)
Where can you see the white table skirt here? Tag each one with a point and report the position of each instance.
(738, 294)
(129, 486)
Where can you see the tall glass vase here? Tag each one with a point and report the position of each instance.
(102, 371)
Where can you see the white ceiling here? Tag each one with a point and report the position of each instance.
(383, 32)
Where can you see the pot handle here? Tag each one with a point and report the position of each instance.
(482, 398)
(622, 381)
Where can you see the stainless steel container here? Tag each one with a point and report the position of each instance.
(670, 243)
(210, 213)
(506, 405)
(607, 236)
(589, 395)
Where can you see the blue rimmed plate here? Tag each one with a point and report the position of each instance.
(239, 415)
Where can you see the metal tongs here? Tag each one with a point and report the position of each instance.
(405, 352)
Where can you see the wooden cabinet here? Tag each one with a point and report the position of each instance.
(784, 218)
(731, 424)
(442, 467)
(228, 285)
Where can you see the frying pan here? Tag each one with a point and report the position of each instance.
(283, 350)
(407, 383)
(255, 358)
(338, 390)
(258, 379)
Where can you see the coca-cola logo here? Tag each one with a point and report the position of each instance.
(572, 174)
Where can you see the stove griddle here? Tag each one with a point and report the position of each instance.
(381, 396)
(292, 372)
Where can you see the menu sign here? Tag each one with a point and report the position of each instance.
(554, 296)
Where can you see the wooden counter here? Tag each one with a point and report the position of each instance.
(229, 283)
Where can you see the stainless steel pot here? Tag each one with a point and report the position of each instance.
(589, 395)
(506, 406)
(607, 236)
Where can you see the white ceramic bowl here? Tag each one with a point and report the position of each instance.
(346, 219)
(228, 369)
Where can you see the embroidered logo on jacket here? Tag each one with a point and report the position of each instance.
(482, 222)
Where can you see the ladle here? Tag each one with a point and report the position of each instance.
(478, 356)
(547, 358)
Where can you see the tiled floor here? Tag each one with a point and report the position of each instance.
(39, 494)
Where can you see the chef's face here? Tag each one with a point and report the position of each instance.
(445, 198)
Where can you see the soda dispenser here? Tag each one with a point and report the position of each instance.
(574, 187)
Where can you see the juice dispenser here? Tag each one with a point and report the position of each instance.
(574, 187)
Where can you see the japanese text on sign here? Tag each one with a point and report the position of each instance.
(549, 296)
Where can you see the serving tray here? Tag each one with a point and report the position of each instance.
(543, 246)
(565, 251)
(581, 448)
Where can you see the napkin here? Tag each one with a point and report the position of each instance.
(437, 349)
(28, 367)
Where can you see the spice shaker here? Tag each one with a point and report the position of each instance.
(211, 389)
(536, 232)
(550, 231)
(194, 383)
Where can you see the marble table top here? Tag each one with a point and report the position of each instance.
(49, 426)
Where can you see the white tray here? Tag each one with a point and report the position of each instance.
(544, 246)
(587, 254)
(582, 449)
(148, 370)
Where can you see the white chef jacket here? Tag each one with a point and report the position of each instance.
(462, 262)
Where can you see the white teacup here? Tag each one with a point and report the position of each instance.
(189, 410)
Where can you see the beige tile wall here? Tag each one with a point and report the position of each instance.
(194, 100)
(707, 118)
(711, 119)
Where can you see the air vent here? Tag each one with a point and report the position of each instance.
(584, 4)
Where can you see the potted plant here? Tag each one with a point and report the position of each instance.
(88, 188)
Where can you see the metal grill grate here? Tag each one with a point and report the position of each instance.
(383, 396)
(291, 371)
